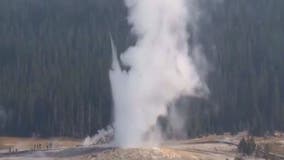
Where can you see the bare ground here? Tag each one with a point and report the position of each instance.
(213, 147)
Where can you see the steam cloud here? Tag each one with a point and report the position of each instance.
(161, 69)
(104, 136)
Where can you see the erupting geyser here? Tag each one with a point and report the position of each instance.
(160, 69)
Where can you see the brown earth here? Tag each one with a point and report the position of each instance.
(213, 147)
(29, 143)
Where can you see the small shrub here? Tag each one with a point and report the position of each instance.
(247, 146)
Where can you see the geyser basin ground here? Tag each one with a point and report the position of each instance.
(212, 147)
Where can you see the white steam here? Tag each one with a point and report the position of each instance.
(160, 69)
(104, 136)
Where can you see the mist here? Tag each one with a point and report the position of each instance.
(161, 69)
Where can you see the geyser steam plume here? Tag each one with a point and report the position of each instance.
(160, 69)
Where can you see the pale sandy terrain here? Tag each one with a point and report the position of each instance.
(23, 144)
(214, 147)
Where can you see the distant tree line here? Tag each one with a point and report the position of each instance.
(55, 56)
(54, 62)
(243, 41)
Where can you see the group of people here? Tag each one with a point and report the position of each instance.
(36, 147)
(42, 147)
(13, 150)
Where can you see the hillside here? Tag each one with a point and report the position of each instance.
(55, 57)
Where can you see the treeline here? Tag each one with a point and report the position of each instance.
(243, 41)
(55, 56)
(54, 62)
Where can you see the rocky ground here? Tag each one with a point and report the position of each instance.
(138, 154)
(214, 147)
